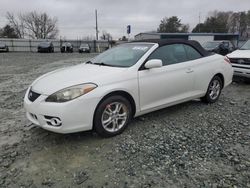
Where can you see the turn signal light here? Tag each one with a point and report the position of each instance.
(227, 60)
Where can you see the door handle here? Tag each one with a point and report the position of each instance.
(189, 70)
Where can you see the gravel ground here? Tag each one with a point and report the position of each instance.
(187, 145)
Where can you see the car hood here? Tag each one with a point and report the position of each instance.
(239, 54)
(79, 74)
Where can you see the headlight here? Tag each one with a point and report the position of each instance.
(70, 93)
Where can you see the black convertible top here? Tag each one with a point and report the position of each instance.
(163, 42)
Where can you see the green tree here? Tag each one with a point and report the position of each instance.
(172, 25)
(217, 23)
(199, 28)
(8, 32)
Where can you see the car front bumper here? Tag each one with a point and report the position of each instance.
(241, 71)
(84, 50)
(74, 116)
(3, 49)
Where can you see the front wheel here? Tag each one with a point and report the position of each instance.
(213, 91)
(112, 116)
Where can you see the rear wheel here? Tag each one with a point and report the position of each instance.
(112, 116)
(213, 91)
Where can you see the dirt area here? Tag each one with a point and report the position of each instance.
(188, 145)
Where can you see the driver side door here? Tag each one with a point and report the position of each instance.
(169, 84)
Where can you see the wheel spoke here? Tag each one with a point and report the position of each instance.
(109, 109)
(107, 112)
(114, 125)
(107, 122)
(217, 86)
(122, 116)
(118, 107)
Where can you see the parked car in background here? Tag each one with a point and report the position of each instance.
(123, 82)
(240, 60)
(3, 47)
(219, 47)
(45, 47)
(84, 48)
(67, 47)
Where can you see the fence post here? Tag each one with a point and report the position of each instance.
(30, 45)
(12, 43)
(95, 47)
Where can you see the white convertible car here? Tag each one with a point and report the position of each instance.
(124, 82)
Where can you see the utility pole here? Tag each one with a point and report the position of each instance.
(96, 25)
(199, 22)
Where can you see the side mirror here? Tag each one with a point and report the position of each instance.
(153, 63)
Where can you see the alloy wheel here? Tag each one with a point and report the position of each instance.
(214, 89)
(114, 116)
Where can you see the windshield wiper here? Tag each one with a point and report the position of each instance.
(89, 62)
(103, 64)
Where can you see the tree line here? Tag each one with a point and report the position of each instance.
(226, 22)
(30, 25)
(215, 22)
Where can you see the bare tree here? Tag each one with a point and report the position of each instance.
(39, 26)
(106, 36)
(34, 25)
(16, 24)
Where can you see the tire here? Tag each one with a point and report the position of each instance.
(106, 111)
(247, 80)
(214, 90)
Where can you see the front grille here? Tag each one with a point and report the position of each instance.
(241, 67)
(33, 95)
(240, 61)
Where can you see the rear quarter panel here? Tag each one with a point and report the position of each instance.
(207, 68)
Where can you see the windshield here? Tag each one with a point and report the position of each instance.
(211, 44)
(44, 44)
(125, 55)
(84, 45)
(66, 44)
(246, 46)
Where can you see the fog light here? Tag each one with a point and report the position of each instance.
(53, 121)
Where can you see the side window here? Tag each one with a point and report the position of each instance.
(170, 54)
(192, 53)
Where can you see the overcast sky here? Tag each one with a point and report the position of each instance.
(76, 17)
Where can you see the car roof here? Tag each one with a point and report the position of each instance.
(163, 42)
(45, 42)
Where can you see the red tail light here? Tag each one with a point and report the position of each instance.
(226, 59)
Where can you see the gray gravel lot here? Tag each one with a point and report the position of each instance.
(187, 145)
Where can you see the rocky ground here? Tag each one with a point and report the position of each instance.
(188, 145)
